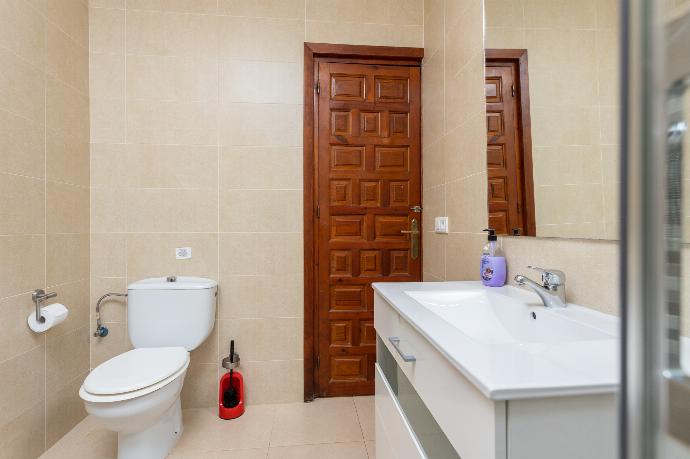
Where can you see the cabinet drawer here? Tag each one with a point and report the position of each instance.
(474, 425)
(394, 436)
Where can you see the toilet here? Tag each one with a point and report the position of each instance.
(137, 393)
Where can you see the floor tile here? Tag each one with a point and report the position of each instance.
(365, 415)
(204, 431)
(371, 449)
(325, 420)
(352, 450)
(86, 440)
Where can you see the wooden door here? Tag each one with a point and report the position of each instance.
(368, 182)
(504, 163)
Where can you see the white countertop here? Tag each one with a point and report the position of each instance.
(504, 370)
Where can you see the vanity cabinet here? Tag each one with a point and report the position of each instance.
(427, 407)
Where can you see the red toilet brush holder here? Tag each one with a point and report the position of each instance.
(237, 383)
(233, 384)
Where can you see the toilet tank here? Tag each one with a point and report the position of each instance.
(173, 311)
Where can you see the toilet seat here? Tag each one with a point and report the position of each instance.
(134, 373)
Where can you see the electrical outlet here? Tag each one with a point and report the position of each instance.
(441, 225)
(183, 253)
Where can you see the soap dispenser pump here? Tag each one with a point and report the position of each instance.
(493, 263)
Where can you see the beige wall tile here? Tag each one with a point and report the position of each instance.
(24, 436)
(106, 30)
(261, 82)
(464, 39)
(67, 60)
(261, 39)
(22, 265)
(545, 13)
(153, 255)
(108, 255)
(261, 211)
(153, 210)
(72, 16)
(171, 122)
(67, 159)
(172, 166)
(110, 166)
(200, 386)
(464, 151)
(260, 167)
(22, 31)
(22, 208)
(263, 387)
(67, 258)
(260, 253)
(185, 78)
(108, 120)
(21, 380)
(67, 110)
(64, 410)
(108, 210)
(464, 96)
(171, 34)
(281, 9)
(67, 208)
(434, 260)
(462, 248)
(433, 173)
(466, 204)
(182, 6)
(22, 90)
(15, 337)
(107, 76)
(67, 357)
(261, 296)
(107, 4)
(22, 145)
(208, 351)
(261, 125)
(264, 339)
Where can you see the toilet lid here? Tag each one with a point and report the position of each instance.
(135, 370)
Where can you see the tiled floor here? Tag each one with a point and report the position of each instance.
(330, 428)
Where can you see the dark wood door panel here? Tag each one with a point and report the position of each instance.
(369, 173)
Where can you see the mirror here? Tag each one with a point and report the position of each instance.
(552, 83)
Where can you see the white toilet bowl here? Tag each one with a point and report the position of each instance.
(137, 395)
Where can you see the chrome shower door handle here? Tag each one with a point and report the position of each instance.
(395, 341)
(414, 238)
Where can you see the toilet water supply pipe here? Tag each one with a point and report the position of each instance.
(101, 331)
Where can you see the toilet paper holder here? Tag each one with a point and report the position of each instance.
(39, 296)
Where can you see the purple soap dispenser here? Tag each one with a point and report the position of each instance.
(493, 264)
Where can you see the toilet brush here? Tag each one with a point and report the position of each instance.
(230, 398)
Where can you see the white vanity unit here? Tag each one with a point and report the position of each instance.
(472, 372)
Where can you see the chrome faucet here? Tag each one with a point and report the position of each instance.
(552, 290)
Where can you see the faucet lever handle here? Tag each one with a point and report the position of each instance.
(550, 277)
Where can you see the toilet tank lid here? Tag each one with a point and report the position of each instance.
(180, 283)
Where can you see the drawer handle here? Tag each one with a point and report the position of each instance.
(395, 341)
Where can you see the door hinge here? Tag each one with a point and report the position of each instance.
(318, 362)
(318, 211)
(512, 90)
(317, 87)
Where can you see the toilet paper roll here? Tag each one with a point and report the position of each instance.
(54, 314)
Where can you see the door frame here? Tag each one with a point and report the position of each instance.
(354, 54)
(519, 58)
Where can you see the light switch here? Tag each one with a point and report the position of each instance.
(183, 253)
(441, 225)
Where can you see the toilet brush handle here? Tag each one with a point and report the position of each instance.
(232, 351)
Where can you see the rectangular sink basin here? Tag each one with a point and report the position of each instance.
(495, 318)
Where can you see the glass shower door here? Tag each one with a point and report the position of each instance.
(655, 413)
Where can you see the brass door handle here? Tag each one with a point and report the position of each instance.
(414, 236)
